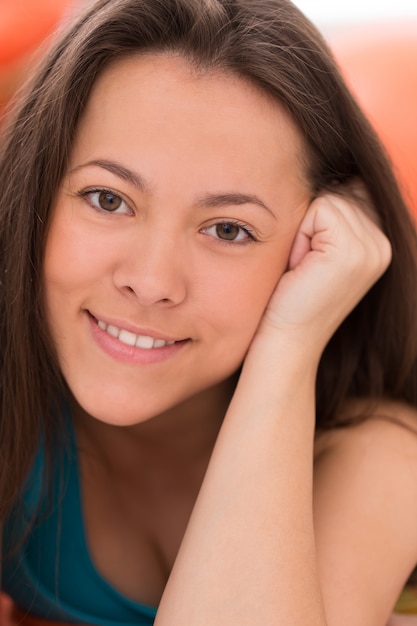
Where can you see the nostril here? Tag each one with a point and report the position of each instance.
(148, 283)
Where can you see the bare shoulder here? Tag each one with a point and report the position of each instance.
(377, 455)
(365, 511)
(382, 426)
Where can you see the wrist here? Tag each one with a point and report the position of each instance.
(275, 372)
(288, 351)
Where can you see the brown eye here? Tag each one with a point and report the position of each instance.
(106, 200)
(109, 201)
(232, 232)
(228, 231)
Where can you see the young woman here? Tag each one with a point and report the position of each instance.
(208, 278)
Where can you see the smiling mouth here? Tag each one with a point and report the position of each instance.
(131, 339)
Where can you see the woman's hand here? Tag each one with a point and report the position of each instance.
(338, 253)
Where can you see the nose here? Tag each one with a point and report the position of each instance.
(153, 269)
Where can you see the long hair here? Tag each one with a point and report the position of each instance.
(271, 44)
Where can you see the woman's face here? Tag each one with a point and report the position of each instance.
(169, 232)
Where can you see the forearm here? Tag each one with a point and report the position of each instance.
(248, 553)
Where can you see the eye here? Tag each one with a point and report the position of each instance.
(105, 200)
(232, 232)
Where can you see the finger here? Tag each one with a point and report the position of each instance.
(362, 220)
(300, 248)
(336, 226)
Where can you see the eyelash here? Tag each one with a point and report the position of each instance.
(241, 242)
(86, 193)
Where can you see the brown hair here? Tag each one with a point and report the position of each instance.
(269, 42)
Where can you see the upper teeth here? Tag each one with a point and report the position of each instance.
(130, 339)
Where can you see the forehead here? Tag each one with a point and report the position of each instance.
(156, 100)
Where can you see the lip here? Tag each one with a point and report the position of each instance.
(120, 351)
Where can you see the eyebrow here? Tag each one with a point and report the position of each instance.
(225, 199)
(207, 201)
(119, 170)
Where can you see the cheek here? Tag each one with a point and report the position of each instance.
(241, 295)
(61, 253)
(72, 255)
(233, 313)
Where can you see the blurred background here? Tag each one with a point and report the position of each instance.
(374, 41)
(328, 13)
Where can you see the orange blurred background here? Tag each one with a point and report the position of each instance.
(25, 28)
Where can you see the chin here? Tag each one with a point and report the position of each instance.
(115, 412)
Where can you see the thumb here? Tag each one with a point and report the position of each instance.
(300, 248)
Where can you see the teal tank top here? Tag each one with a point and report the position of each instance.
(48, 571)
